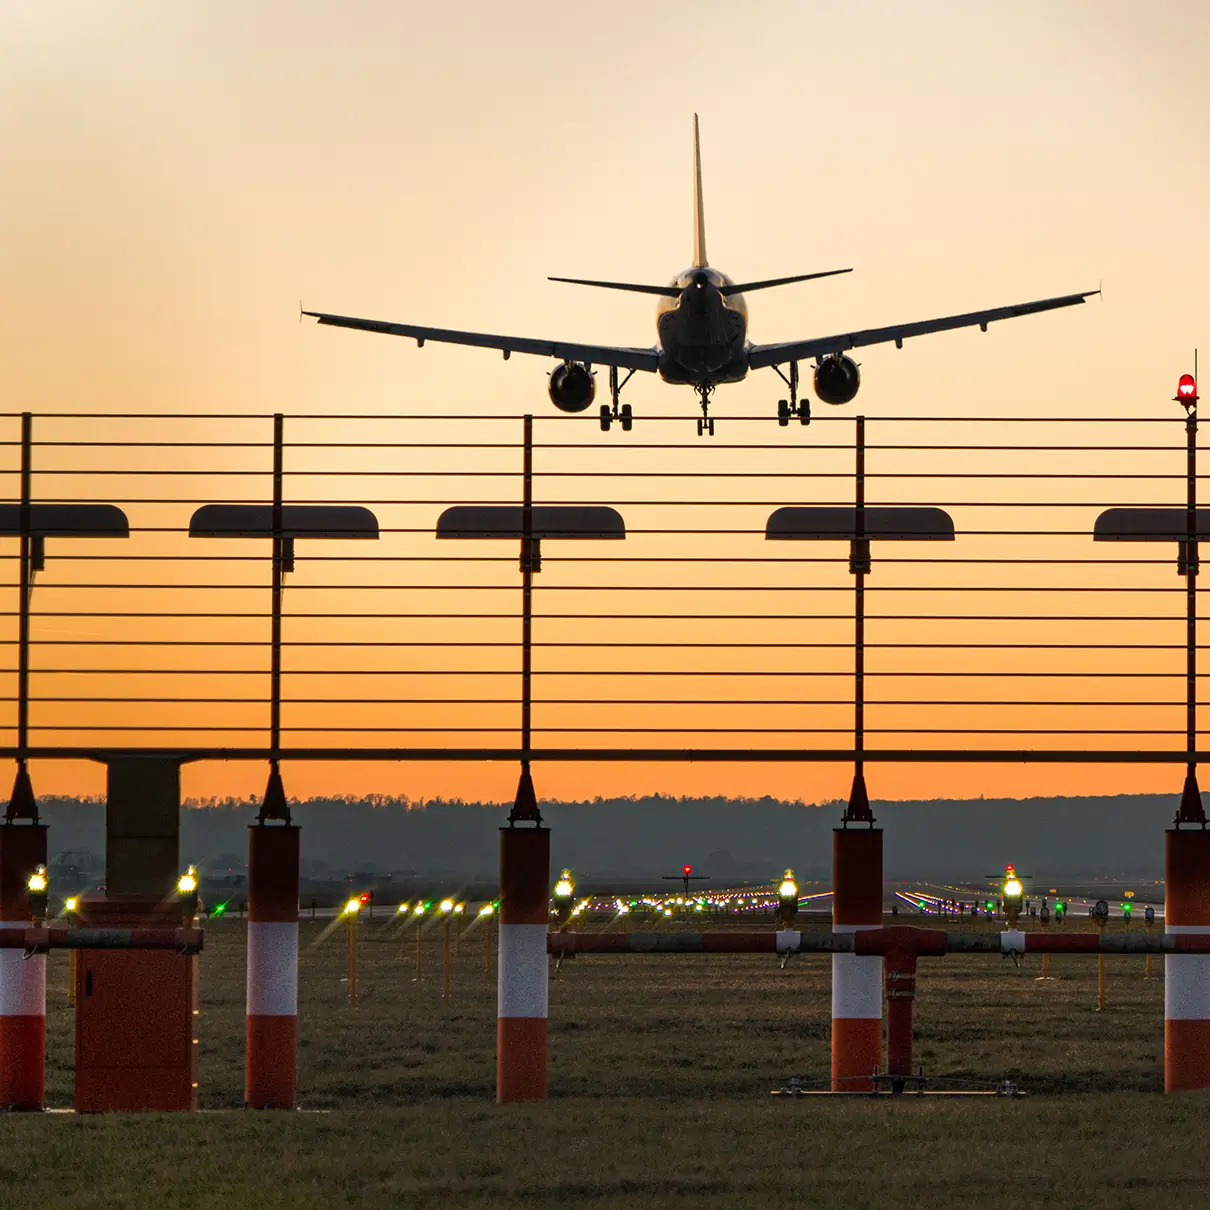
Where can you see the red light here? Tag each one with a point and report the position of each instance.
(365, 896)
(1008, 869)
(686, 870)
(1187, 387)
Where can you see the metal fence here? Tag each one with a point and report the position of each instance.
(696, 637)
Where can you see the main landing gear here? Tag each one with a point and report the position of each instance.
(706, 423)
(792, 407)
(612, 412)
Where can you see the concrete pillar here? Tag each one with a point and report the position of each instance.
(523, 971)
(1187, 976)
(272, 993)
(856, 978)
(22, 979)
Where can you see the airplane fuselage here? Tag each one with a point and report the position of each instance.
(703, 334)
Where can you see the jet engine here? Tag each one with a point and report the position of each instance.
(571, 387)
(837, 379)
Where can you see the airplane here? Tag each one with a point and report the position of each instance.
(702, 328)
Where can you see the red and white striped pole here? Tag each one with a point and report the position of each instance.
(1187, 976)
(271, 1072)
(856, 978)
(523, 971)
(22, 979)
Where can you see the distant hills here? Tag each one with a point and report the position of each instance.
(642, 838)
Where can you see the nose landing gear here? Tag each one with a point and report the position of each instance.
(612, 412)
(706, 424)
(792, 406)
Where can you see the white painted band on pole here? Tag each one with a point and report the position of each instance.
(856, 981)
(856, 987)
(788, 939)
(22, 981)
(1187, 987)
(1012, 941)
(522, 971)
(272, 968)
(1200, 929)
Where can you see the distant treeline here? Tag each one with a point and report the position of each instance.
(647, 837)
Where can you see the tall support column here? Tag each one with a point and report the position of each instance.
(22, 979)
(857, 858)
(1187, 976)
(856, 979)
(523, 968)
(270, 1080)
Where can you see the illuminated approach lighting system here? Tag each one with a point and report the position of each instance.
(352, 907)
(787, 899)
(187, 883)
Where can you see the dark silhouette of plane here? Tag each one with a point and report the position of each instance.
(702, 325)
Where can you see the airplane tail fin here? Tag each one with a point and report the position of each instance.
(699, 216)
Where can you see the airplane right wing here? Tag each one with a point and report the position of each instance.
(605, 355)
(801, 350)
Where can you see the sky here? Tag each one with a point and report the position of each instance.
(180, 178)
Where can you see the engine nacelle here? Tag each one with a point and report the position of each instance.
(837, 379)
(571, 387)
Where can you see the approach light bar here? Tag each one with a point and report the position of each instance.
(548, 521)
(297, 521)
(881, 524)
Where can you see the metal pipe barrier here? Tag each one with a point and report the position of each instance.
(36, 940)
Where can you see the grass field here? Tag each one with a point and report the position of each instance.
(660, 1075)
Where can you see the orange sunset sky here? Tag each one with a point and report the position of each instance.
(179, 177)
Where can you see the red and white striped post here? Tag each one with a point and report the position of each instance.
(22, 979)
(1187, 976)
(856, 978)
(271, 1072)
(523, 970)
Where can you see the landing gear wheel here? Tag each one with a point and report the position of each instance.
(706, 423)
(606, 418)
(804, 412)
(627, 418)
(783, 413)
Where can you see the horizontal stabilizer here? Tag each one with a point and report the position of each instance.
(744, 287)
(666, 291)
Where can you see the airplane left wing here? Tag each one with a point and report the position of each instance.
(605, 355)
(801, 350)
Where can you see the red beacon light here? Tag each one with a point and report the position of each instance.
(1186, 389)
(686, 870)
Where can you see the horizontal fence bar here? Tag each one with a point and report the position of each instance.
(195, 752)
